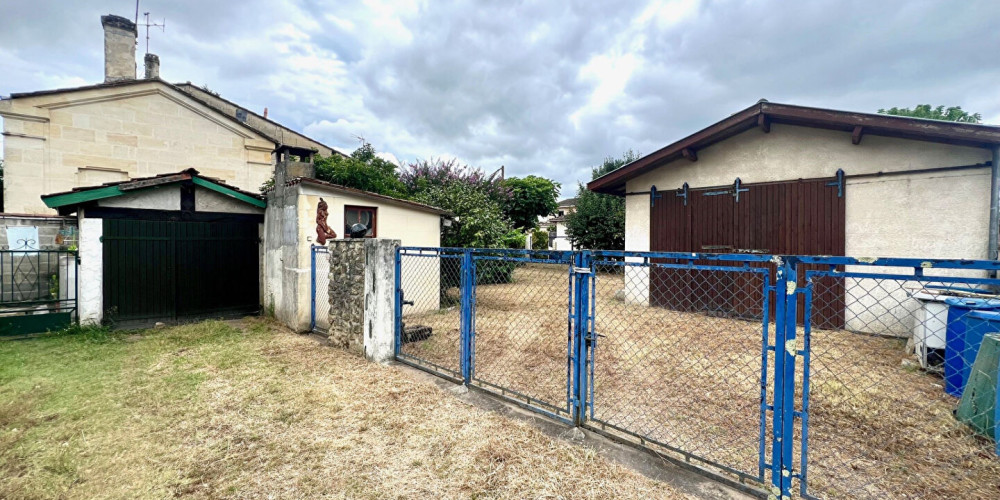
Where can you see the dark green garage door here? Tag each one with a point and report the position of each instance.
(169, 270)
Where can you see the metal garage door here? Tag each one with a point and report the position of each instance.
(171, 270)
(803, 217)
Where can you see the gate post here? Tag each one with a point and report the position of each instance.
(467, 282)
(312, 288)
(785, 349)
(582, 276)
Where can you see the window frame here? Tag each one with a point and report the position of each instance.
(374, 211)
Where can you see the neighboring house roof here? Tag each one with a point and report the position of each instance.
(368, 194)
(136, 82)
(276, 133)
(568, 202)
(283, 134)
(763, 113)
(112, 189)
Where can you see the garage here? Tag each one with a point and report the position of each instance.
(171, 248)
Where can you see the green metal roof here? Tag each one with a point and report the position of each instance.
(88, 194)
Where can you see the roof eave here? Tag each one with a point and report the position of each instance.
(962, 134)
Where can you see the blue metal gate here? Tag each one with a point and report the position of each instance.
(786, 373)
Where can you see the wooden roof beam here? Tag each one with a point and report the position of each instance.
(689, 154)
(764, 123)
(857, 134)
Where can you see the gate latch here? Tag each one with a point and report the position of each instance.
(590, 339)
(581, 270)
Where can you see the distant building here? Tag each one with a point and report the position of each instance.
(556, 225)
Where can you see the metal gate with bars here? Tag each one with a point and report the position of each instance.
(790, 374)
(38, 290)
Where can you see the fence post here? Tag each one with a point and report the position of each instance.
(582, 273)
(312, 288)
(467, 281)
(398, 303)
(785, 349)
(780, 294)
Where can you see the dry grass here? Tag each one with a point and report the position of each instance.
(216, 410)
(692, 381)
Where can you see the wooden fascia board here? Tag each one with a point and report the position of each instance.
(198, 181)
(78, 197)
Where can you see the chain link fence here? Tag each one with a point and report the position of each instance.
(818, 377)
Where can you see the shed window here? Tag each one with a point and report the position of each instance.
(365, 215)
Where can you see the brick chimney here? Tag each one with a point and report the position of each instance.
(152, 66)
(119, 48)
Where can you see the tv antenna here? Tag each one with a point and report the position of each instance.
(162, 25)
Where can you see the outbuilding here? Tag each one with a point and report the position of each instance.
(173, 247)
(794, 180)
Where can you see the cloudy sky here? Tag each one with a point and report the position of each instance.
(547, 87)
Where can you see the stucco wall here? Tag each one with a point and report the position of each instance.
(158, 198)
(395, 221)
(886, 217)
(91, 270)
(54, 143)
(206, 200)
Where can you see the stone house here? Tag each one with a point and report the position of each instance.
(161, 184)
(129, 127)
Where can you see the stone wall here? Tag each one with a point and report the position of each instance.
(347, 293)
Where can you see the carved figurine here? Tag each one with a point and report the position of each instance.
(323, 230)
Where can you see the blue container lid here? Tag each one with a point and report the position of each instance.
(971, 303)
(985, 315)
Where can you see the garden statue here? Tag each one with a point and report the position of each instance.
(323, 230)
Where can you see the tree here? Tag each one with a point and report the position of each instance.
(598, 222)
(361, 170)
(951, 114)
(476, 200)
(531, 197)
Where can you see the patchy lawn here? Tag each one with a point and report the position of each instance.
(249, 410)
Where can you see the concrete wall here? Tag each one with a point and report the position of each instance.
(888, 217)
(53, 143)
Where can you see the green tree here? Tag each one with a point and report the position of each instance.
(361, 170)
(531, 197)
(539, 239)
(466, 192)
(598, 223)
(951, 114)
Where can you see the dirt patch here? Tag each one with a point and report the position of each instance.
(692, 380)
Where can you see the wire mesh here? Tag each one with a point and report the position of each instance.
(321, 288)
(678, 360)
(430, 332)
(522, 334)
(880, 420)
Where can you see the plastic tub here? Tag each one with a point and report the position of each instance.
(964, 334)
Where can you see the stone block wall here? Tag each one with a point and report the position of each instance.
(347, 293)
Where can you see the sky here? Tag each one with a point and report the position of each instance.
(548, 88)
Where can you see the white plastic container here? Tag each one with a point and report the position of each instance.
(930, 327)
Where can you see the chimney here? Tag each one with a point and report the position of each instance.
(152, 66)
(119, 48)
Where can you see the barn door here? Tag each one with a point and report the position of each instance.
(804, 217)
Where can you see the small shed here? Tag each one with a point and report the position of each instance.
(174, 247)
(291, 236)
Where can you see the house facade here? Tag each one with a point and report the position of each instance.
(129, 127)
(158, 186)
(556, 225)
(785, 179)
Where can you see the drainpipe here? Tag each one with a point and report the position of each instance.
(991, 252)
